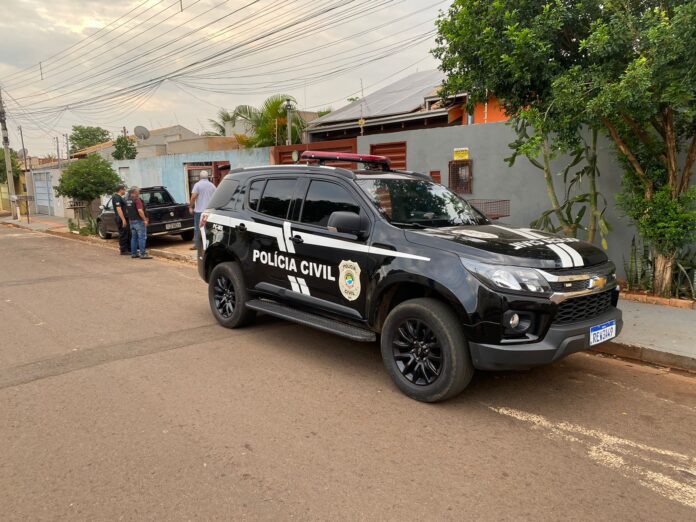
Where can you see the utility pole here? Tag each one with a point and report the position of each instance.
(8, 160)
(58, 151)
(288, 107)
(67, 145)
(21, 138)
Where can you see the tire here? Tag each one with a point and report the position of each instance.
(187, 236)
(425, 351)
(101, 230)
(227, 295)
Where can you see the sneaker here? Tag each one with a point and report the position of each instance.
(146, 256)
(135, 257)
(125, 253)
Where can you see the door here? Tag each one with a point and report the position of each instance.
(109, 216)
(269, 204)
(43, 193)
(333, 267)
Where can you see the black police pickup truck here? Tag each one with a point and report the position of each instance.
(167, 217)
(380, 254)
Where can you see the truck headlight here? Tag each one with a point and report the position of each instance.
(517, 279)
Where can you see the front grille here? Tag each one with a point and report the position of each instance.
(581, 308)
(571, 286)
(604, 268)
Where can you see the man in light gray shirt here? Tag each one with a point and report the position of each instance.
(201, 194)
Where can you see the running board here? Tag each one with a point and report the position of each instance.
(314, 321)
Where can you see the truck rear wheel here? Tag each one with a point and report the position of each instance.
(228, 296)
(425, 351)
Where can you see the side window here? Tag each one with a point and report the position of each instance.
(109, 204)
(255, 193)
(277, 197)
(224, 195)
(324, 198)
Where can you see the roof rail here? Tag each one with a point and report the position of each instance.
(369, 160)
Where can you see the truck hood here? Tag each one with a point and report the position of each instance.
(508, 245)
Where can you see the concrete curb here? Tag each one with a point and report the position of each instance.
(172, 256)
(615, 348)
(648, 355)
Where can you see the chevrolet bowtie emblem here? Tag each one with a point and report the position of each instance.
(598, 282)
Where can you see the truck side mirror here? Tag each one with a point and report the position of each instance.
(347, 223)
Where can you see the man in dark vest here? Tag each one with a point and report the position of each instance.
(121, 220)
(135, 211)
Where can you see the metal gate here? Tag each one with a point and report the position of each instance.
(396, 152)
(43, 193)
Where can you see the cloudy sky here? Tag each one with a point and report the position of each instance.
(147, 62)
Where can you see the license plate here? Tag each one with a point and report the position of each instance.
(172, 226)
(602, 332)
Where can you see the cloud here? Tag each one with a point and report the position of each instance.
(35, 30)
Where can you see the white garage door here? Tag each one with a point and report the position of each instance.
(43, 192)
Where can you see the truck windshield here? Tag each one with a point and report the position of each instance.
(419, 203)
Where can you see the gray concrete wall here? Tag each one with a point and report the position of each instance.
(523, 184)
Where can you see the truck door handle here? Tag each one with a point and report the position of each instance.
(241, 227)
(297, 239)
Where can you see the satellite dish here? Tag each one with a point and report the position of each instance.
(141, 132)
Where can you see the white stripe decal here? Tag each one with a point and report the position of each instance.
(293, 283)
(520, 233)
(287, 234)
(309, 239)
(566, 260)
(303, 286)
(577, 258)
(568, 256)
(252, 226)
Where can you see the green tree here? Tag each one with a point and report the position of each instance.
(269, 123)
(639, 82)
(516, 50)
(83, 136)
(124, 148)
(223, 116)
(16, 169)
(87, 179)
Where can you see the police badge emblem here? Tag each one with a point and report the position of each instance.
(349, 280)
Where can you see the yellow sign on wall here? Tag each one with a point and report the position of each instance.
(461, 153)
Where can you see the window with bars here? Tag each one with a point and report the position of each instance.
(461, 176)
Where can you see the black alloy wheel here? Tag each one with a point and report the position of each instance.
(425, 351)
(417, 352)
(228, 296)
(225, 296)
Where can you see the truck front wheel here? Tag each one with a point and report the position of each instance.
(425, 351)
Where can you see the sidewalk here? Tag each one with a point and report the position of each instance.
(40, 223)
(652, 333)
(657, 334)
(169, 247)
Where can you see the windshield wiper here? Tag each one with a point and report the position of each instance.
(415, 225)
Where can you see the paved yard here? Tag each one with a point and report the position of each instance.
(121, 398)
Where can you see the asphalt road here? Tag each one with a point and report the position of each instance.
(120, 398)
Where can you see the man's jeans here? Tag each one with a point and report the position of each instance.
(197, 228)
(138, 237)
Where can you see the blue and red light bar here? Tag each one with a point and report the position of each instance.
(369, 160)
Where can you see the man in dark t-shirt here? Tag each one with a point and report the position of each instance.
(122, 220)
(138, 220)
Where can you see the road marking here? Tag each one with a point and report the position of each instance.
(631, 459)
